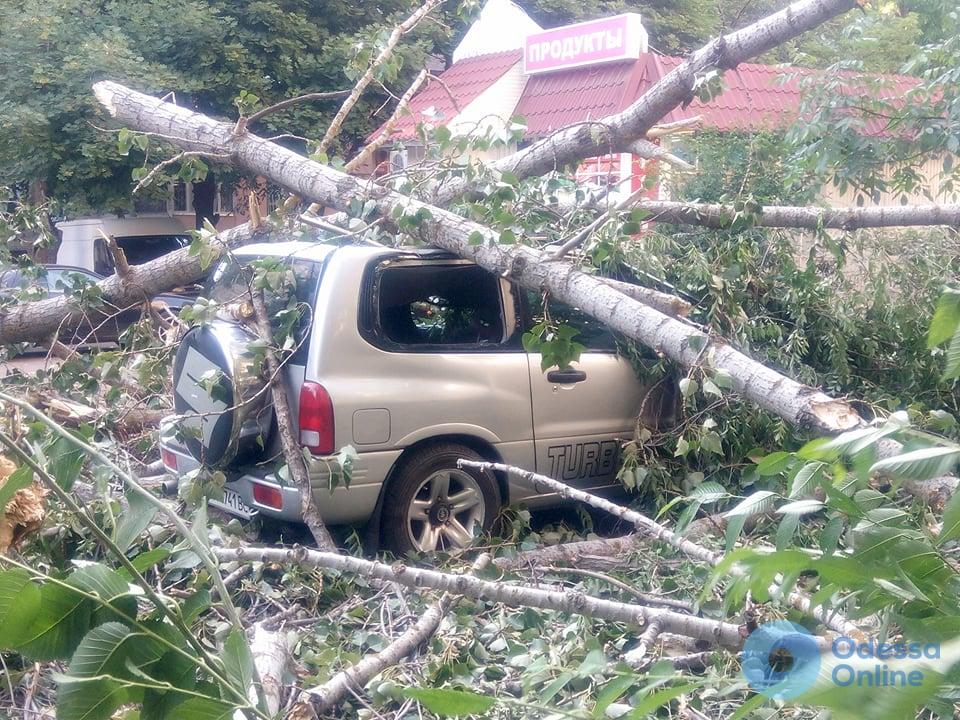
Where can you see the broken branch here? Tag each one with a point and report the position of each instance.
(391, 123)
(716, 632)
(657, 531)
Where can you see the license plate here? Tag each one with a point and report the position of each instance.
(233, 503)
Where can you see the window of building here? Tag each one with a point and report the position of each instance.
(403, 158)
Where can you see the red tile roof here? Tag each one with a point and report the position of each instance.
(554, 100)
(463, 80)
(766, 97)
(755, 97)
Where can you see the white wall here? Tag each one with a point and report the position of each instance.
(500, 26)
(492, 108)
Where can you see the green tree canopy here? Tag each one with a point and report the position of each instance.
(205, 50)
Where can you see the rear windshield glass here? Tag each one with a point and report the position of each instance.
(230, 283)
(144, 248)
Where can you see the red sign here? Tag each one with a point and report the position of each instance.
(598, 41)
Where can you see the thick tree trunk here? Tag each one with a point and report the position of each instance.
(793, 401)
(23, 322)
(811, 218)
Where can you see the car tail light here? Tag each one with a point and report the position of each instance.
(169, 459)
(268, 495)
(316, 419)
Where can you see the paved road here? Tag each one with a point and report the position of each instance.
(28, 364)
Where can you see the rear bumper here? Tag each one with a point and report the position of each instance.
(345, 505)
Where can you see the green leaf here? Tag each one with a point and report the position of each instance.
(786, 529)
(611, 691)
(237, 660)
(800, 507)
(450, 703)
(748, 707)
(709, 492)
(145, 561)
(950, 529)
(758, 502)
(710, 388)
(90, 699)
(195, 708)
(952, 368)
(806, 480)
(774, 463)
(711, 441)
(111, 587)
(17, 480)
(111, 649)
(656, 700)
(65, 461)
(19, 604)
(59, 625)
(918, 464)
(594, 662)
(946, 318)
(688, 386)
(733, 532)
(830, 536)
(134, 521)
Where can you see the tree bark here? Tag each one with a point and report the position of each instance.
(810, 218)
(23, 322)
(292, 450)
(716, 632)
(327, 696)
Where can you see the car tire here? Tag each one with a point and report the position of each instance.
(431, 504)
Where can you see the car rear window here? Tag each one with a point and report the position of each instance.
(144, 248)
(230, 284)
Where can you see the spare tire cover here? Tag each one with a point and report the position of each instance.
(217, 393)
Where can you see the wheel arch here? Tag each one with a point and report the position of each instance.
(481, 446)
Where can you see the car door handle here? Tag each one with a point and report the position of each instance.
(566, 377)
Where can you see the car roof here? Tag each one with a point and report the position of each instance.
(317, 252)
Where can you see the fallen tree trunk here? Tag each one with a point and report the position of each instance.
(716, 632)
(799, 404)
(38, 320)
(809, 218)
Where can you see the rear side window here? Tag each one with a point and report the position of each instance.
(230, 284)
(437, 306)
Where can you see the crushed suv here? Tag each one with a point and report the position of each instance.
(414, 358)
